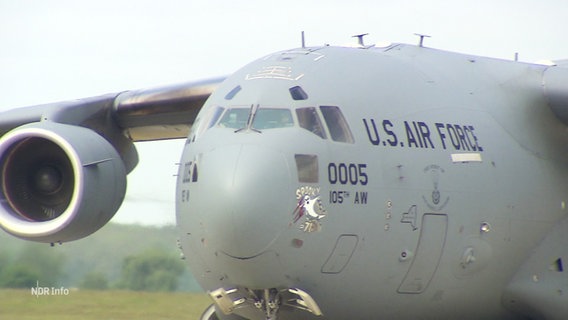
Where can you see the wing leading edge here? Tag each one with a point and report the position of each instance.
(126, 117)
(162, 113)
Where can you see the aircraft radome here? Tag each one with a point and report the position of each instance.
(367, 182)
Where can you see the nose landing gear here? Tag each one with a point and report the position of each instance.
(264, 304)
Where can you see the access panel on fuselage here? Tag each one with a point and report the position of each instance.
(428, 253)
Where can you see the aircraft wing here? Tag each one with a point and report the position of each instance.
(162, 113)
(63, 165)
(139, 115)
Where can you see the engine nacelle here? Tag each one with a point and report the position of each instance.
(59, 182)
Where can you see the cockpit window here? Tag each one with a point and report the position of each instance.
(215, 114)
(337, 125)
(235, 118)
(310, 121)
(233, 93)
(298, 93)
(205, 122)
(264, 118)
(267, 118)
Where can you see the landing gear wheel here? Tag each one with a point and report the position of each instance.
(209, 314)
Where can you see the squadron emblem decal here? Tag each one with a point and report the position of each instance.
(437, 202)
(310, 208)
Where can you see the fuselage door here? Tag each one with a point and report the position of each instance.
(428, 253)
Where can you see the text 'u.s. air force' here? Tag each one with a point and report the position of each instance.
(419, 134)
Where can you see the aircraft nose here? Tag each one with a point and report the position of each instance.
(242, 198)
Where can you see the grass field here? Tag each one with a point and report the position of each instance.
(101, 305)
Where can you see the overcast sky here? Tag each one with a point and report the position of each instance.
(56, 50)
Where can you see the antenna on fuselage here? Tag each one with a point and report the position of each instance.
(422, 36)
(360, 38)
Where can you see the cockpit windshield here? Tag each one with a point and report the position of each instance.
(267, 118)
(326, 122)
(235, 118)
(264, 118)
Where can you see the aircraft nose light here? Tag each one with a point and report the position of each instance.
(242, 196)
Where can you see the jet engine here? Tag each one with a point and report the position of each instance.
(59, 182)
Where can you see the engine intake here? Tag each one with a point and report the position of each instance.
(59, 182)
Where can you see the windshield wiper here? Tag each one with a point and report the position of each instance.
(250, 120)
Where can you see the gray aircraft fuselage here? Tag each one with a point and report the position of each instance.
(394, 183)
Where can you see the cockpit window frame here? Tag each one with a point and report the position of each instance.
(324, 121)
(243, 114)
(313, 124)
(206, 122)
(337, 125)
(277, 120)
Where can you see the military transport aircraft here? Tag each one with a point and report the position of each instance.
(367, 182)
